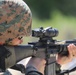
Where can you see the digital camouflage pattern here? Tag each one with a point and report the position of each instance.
(15, 20)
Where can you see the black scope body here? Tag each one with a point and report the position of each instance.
(48, 32)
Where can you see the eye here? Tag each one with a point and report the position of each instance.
(20, 38)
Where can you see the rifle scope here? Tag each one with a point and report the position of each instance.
(47, 32)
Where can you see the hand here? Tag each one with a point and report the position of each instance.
(66, 59)
(38, 63)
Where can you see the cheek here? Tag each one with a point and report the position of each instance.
(17, 42)
(1, 43)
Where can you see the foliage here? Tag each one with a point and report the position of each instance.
(43, 8)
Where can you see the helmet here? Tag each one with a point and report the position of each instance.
(15, 20)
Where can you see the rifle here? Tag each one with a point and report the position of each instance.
(45, 44)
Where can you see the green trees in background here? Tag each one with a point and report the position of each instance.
(67, 7)
(44, 8)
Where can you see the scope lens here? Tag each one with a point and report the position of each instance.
(37, 33)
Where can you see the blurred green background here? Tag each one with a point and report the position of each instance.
(60, 14)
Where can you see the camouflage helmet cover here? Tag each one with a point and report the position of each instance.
(15, 20)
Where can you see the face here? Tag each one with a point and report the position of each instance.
(17, 41)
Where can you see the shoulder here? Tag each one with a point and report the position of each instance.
(30, 70)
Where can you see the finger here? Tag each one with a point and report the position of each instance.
(70, 50)
(73, 50)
